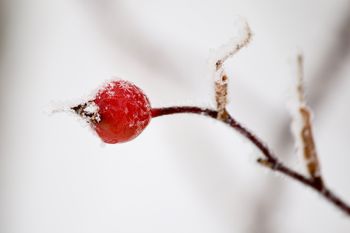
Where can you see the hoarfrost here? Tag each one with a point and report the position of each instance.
(220, 55)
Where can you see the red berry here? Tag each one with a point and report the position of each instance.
(123, 111)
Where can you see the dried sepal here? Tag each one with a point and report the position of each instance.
(88, 111)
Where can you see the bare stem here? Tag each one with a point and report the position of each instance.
(270, 160)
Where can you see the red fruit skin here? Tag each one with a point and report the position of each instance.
(124, 112)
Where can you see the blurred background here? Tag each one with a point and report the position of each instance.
(184, 173)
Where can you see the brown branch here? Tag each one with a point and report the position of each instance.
(270, 160)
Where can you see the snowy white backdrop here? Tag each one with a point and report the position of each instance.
(183, 173)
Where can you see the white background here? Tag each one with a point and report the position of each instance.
(183, 173)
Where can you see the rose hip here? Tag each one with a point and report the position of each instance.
(119, 112)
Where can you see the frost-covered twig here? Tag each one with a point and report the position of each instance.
(302, 128)
(221, 79)
(269, 160)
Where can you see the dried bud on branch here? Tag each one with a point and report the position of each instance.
(221, 79)
(221, 97)
(303, 129)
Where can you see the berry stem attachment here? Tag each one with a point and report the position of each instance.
(269, 161)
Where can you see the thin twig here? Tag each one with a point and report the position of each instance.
(322, 83)
(270, 160)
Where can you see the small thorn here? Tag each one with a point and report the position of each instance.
(265, 162)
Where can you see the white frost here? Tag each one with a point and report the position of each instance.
(91, 107)
(241, 39)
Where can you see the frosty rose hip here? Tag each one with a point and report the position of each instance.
(119, 112)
